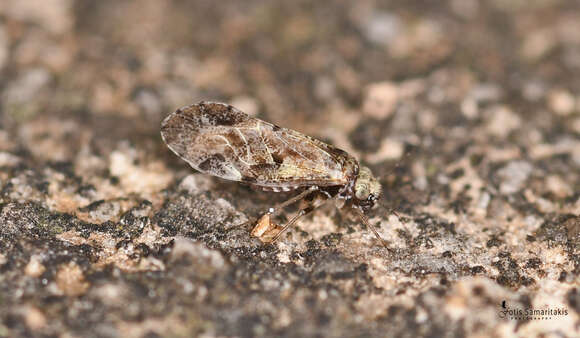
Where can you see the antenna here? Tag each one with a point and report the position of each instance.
(372, 227)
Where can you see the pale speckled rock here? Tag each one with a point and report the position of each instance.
(380, 100)
(513, 176)
(24, 89)
(382, 28)
(502, 121)
(105, 233)
(54, 15)
(562, 102)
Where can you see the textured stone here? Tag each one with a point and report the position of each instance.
(104, 232)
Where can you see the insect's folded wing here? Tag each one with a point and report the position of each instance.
(220, 140)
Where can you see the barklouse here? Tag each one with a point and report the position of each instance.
(220, 140)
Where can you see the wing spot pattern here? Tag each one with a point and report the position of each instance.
(258, 152)
(233, 149)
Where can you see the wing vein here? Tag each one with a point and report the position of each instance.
(264, 141)
(262, 153)
(233, 149)
(247, 146)
(293, 149)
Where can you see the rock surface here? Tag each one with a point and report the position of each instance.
(467, 111)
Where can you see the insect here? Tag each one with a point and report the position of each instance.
(220, 140)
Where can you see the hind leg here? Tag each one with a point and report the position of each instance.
(275, 210)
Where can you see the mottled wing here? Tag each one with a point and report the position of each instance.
(220, 140)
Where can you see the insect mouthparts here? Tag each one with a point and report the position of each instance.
(219, 140)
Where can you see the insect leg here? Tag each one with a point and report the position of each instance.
(276, 209)
(300, 213)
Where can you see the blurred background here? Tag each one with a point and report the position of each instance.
(120, 66)
(483, 95)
